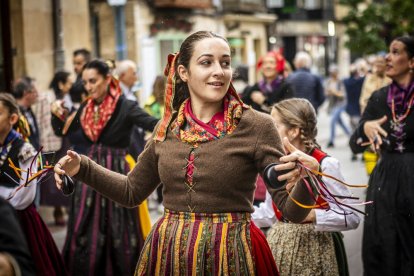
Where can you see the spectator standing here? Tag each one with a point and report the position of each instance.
(374, 81)
(155, 103)
(52, 145)
(353, 86)
(126, 70)
(335, 92)
(77, 92)
(272, 88)
(305, 84)
(26, 95)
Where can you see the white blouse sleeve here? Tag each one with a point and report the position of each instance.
(264, 215)
(329, 220)
(25, 196)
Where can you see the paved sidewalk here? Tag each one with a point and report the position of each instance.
(354, 173)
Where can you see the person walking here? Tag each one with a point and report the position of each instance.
(335, 91)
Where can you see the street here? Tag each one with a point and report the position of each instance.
(353, 171)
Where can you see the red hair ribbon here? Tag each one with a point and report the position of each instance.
(170, 73)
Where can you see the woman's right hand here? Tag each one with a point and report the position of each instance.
(68, 164)
(289, 161)
(375, 132)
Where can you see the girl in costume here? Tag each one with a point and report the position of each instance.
(207, 151)
(103, 237)
(313, 247)
(388, 125)
(273, 88)
(18, 163)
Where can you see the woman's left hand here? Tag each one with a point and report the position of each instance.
(290, 163)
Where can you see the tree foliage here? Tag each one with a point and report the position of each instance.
(371, 25)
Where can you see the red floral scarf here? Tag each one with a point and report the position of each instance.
(103, 112)
(191, 130)
(186, 126)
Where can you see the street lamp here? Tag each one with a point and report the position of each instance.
(331, 28)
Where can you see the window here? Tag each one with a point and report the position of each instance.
(238, 51)
(275, 3)
(312, 4)
(257, 2)
(167, 45)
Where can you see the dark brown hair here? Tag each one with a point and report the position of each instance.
(186, 52)
(99, 65)
(408, 41)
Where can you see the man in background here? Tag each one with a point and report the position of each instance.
(77, 92)
(26, 94)
(126, 71)
(304, 83)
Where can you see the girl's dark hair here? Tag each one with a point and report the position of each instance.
(408, 41)
(9, 102)
(186, 52)
(99, 65)
(60, 76)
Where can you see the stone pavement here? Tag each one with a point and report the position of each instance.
(354, 173)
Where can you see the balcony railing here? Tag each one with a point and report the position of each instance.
(183, 4)
(245, 6)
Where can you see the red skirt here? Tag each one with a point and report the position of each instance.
(265, 263)
(45, 254)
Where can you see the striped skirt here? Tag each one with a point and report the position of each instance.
(182, 243)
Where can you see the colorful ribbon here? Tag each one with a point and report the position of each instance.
(317, 188)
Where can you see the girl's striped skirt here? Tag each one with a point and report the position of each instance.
(182, 243)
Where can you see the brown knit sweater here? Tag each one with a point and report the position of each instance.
(224, 175)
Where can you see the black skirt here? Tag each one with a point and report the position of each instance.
(103, 238)
(388, 239)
